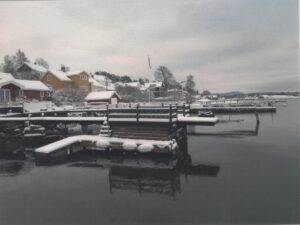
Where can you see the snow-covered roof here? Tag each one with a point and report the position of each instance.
(35, 67)
(26, 84)
(133, 84)
(60, 75)
(76, 72)
(102, 78)
(100, 95)
(153, 84)
(95, 82)
(5, 76)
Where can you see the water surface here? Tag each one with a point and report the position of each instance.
(246, 174)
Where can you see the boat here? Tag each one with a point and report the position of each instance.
(206, 114)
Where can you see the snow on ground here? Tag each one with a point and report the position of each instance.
(38, 106)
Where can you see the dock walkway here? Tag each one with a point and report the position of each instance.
(96, 142)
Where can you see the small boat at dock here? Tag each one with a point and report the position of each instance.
(206, 114)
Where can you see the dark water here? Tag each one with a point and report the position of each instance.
(238, 173)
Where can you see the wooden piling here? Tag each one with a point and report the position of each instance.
(137, 112)
(257, 117)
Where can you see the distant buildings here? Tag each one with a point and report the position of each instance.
(69, 80)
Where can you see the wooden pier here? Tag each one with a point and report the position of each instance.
(145, 122)
(234, 109)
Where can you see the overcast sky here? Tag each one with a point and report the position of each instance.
(247, 45)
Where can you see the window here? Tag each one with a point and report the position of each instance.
(49, 77)
(21, 93)
(83, 77)
(42, 94)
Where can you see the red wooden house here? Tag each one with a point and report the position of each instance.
(25, 90)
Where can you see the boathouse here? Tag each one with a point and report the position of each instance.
(102, 98)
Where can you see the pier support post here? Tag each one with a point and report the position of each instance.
(170, 114)
(257, 117)
(84, 128)
(137, 112)
(107, 113)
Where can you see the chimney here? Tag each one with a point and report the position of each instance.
(63, 68)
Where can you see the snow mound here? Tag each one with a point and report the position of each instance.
(147, 147)
(129, 145)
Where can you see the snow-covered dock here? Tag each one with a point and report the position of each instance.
(95, 142)
(190, 120)
(233, 109)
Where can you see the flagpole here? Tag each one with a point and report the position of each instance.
(149, 64)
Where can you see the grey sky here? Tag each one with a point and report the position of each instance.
(248, 45)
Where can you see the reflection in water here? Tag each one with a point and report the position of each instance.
(145, 180)
(232, 133)
(144, 173)
(14, 167)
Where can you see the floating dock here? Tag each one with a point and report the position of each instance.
(78, 143)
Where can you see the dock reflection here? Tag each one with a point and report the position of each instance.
(232, 133)
(147, 173)
(140, 172)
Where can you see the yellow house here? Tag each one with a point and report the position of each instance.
(60, 80)
(80, 79)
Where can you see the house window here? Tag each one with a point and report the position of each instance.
(83, 77)
(49, 78)
(42, 94)
(21, 93)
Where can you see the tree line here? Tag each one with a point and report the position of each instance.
(12, 62)
(162, 74)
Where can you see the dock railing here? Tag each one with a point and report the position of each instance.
(144, 113)
(132, 112)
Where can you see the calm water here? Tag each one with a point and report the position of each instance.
(238, 173)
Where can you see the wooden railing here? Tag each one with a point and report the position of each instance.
(132, 111)
(143, 112)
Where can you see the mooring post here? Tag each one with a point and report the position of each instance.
(257, 116)
(170, 113)
(137, 112)
(129, 105)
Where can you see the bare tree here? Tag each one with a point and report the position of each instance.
(20, 59)
(133, 94)
(72, 95)
(164, 75)
(190, 84)
(12, 63)
(8, 65)
(41, 62)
